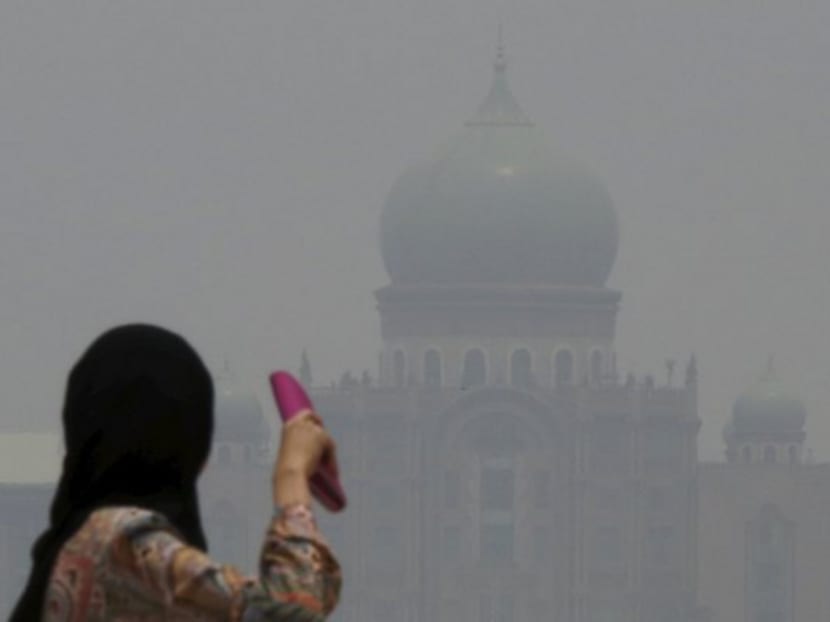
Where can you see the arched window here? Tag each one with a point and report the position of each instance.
(475, 369)
(770, 587)
(596, 366)
(769, 455)
(432, 369)
(497, 506)
(564, 368)
(746, 454)
(521, 374)
(399, 364)
(792, 452)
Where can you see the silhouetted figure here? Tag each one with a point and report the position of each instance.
(125, 539)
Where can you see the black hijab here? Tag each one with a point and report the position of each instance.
(137, 422)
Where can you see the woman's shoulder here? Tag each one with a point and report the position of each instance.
(110, 535)
(131, 518)
(124, 534)
(124, 523)
(128, 518)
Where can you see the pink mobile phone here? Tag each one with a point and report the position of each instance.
(292, 401)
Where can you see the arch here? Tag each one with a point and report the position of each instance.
(563, 368)
(521, 369)
(596, 366)
(459, 419)
(491, 436)
(770, 455)
(746, 454)
(770, 585)
(487, 435)
(474, 372)
(481, 421)
(433, 376)
(399, 368)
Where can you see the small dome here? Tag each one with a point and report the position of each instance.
(238, 415)
(497, 206)
(767, 403)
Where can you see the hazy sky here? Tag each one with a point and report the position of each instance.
(219, 168)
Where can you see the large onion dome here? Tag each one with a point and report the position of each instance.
(497, 206)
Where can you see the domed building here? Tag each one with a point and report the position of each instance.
(498, 249)
(494, 468)
(763, 514)
(767, 424)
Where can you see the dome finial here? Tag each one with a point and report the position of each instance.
(499, 107)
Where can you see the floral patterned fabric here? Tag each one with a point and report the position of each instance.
(128, 565)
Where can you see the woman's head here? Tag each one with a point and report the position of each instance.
(138, 414)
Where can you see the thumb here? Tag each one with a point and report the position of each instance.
(329, 455)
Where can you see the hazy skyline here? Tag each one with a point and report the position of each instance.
(220, 170)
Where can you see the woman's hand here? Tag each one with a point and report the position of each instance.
(303, 443)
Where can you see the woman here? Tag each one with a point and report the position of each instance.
(125, 541)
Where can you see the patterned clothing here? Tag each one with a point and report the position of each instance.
(128, 565)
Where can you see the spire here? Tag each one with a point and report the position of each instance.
(501, 63)
(769, 375)
(500, 107)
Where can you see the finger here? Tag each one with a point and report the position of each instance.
(332, 458)
(328, 441)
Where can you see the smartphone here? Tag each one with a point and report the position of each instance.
(292, 400)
